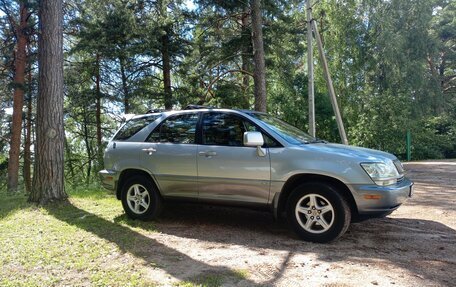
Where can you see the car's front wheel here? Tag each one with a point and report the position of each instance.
(140, 198)
(317, 212)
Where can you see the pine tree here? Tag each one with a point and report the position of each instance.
(48, 180)
(20, 62)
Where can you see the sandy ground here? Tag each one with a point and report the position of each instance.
(414, 246)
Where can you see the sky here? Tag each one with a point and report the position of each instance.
(190, 4)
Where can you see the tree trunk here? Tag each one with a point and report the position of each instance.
(98, 113)
(259, 70)
(69, 162)
(85, 130)
(167, 71)
(18, 99)
(28, 135)
(245, 57)
(48, 179)
(124, 85)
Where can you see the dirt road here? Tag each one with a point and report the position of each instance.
(415, 246)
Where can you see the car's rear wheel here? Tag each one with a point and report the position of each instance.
(317, 212)
(140, 198)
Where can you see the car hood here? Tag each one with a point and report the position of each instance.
(354, 152)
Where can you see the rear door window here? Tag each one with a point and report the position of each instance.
(178, 129)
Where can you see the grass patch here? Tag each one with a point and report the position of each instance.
(88, 241)
(211, 280)
(10, 203)
(215, 279)
(241, 274)
(83, 242)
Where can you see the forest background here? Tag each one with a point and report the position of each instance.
(393, 64)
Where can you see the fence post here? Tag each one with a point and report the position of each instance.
(409, 144)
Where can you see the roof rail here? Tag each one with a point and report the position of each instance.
(151, 111)
(197, 107)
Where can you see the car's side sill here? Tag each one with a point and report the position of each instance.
(230, 203)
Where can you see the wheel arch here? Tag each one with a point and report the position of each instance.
(127, 173)
(298, 179)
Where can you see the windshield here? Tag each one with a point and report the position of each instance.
(288, 132)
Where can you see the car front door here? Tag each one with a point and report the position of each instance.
(169, 154)
(228, 170)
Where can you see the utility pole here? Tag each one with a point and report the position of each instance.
(310, 70)
(329, 83)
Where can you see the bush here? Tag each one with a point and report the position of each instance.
(434, 138)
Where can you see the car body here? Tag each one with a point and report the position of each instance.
(247, 158)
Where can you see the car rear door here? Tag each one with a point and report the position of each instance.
(227, 170)
(169, 154)
(123, 150)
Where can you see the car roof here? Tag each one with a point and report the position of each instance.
(202, 109)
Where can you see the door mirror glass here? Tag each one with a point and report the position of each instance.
(253, 139)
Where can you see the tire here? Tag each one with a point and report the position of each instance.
(317, 212)
(141, 199)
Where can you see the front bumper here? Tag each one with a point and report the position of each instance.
(108, 179)
(372, 198)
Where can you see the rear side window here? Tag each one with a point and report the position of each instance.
(133, 126)
(178, 129)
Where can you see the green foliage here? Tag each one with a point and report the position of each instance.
(434, 138)
(392, 62)
(380, 53)
(3, 170)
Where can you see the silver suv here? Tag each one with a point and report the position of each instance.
(247, 158)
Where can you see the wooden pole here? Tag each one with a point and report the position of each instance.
(329, 83)
(310, 70)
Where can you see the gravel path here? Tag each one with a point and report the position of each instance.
(414, 246)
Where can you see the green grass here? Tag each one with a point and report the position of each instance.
(88, 241)
(84, 242)
(241, 273)
(211, 280)
(216, 279)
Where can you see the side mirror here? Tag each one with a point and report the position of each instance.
(253, 139)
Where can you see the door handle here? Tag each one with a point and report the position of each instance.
(149, 151)
(207, 153)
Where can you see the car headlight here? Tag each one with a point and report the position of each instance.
(381, 173)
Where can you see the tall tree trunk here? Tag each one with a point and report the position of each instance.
(166, 61)
(28, 134)
(18, 99)
(69, 162)
(259, 71)
(167, 71)
(123, 75)
(98, 114)
(88, 147)
(48, 179)
(245, 57)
